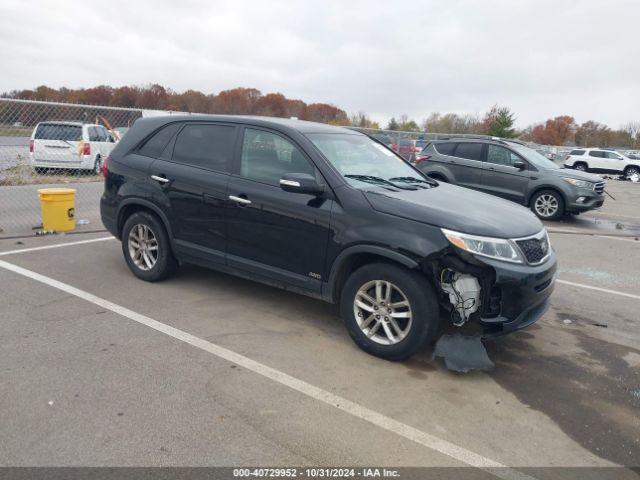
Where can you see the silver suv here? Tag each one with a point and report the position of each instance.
(511, 170)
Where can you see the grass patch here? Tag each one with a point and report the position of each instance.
(26, 175)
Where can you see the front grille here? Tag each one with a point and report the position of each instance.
(599, 188)
(534, 249)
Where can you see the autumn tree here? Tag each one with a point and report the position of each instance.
(555, 131)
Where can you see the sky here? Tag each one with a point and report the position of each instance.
(540, 58)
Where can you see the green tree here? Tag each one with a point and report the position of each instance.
(498, 122)
(393, 124)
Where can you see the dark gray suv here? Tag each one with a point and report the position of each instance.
(511, 170)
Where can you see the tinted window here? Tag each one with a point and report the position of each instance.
(52, 131)
(576, 152)
(597, 154)
(155, 145)
(445, 148)
(471, 151)
(501, 156)
(266, 157)
(205, 145)
(93, 134)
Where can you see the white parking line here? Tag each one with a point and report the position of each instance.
(428, 440)
(599, 289)
(57, 245)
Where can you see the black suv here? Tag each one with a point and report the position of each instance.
(511, 170)
(326, 212)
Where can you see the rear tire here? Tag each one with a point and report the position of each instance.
(581, 166)
(411, 325)
(97, 166)
(630, 171)
(147, 249)
(547, 205)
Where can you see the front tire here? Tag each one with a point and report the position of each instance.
(147, 249)
(547, 205)
(389, 311)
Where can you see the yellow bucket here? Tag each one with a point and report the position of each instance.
(58, 210)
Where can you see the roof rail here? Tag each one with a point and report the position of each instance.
(504, 141)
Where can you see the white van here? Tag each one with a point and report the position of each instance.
(69, 145)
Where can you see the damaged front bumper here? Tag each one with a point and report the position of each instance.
(523, 292)
(512, 296)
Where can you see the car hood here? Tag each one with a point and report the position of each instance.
(577, 174)
(459, 209)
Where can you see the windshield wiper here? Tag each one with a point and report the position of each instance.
(411, 180)
(380, 181)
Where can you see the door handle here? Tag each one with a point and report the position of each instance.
(160, 179)
(240, 200)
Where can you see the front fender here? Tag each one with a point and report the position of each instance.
(328, 288)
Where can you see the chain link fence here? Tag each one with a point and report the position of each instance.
(47, 144)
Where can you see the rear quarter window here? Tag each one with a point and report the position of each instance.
(53, 131)
(156, 144)
(445, 148)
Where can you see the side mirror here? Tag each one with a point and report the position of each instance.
(520, 165)
(301, 183)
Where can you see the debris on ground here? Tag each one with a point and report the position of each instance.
(601, 325)
(463, 353)
(83, 221)
(566, 321)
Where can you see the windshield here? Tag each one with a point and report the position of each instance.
(534, 157)
(363, 161)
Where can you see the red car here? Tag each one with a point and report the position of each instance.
(407, 149)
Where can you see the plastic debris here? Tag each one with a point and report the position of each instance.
(83, 221)
(566, 321)
(50, 402)
(463, 353)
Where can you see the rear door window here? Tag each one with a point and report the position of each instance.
(576, 152)
(205, 145)
(155, 145)
(597, 154)
(53, 131)
(470, 151)
(445, 148)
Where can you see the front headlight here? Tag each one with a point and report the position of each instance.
(497, 248)
(578, 183)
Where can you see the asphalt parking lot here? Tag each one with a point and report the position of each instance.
(208, 369)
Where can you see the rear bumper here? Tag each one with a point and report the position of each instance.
(524, 292)
(108, 215)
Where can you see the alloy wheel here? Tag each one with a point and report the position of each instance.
(382, 312)
(143, 247)
(546, 205)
